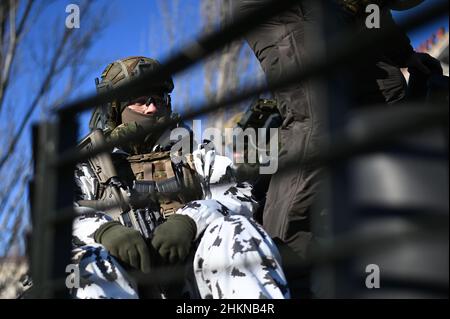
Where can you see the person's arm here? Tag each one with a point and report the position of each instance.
(173, 239)
(203, 213)
(398, 49)
(85, 225)
(86, 183)
(88, 220)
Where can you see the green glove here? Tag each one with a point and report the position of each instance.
(124, 243)
(173, 239)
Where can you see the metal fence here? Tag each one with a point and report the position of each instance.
(357, 230)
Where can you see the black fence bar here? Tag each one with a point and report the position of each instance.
(43, 191)
(339, 250)
(347, 50)
(367, 132)
(53, 190)
(376, 128)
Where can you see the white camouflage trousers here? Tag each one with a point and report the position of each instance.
(235, 258)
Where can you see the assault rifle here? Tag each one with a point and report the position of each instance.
(113, 197)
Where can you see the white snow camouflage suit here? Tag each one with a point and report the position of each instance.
(234, 258)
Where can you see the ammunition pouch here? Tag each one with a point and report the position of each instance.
(174, 184)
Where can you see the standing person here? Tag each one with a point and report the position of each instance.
(281, 45)
(284, 44)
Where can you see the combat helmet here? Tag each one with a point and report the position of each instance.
(107, 116)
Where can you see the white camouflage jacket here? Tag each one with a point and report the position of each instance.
(219, 189)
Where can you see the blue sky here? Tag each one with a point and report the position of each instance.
(134, 27)
(421, 34)
(138, 29)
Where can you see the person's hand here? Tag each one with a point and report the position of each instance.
(124, 243)
(416, 63)
(173, 239)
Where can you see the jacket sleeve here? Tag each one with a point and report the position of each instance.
(85, 224)
(88, 220)
(224, 196)
(399, 48)
(231, 199)
(86, 184)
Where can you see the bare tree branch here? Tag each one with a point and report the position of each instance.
(43, 88)
(168, 20)
(14, 231)
(59, 60)
(18, 176)
(4, 8)
(209, 15)
(173, 22)
(14, 37)
(63, 56)
(222, 72)
(9, 213)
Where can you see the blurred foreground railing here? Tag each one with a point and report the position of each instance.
(363, 225)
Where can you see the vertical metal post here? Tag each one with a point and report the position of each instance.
(52, 194)
(332, 215)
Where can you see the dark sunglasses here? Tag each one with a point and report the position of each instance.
(155, 99)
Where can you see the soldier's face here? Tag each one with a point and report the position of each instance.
(139, 105)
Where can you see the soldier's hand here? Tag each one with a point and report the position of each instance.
(124, 243)
(173, 239)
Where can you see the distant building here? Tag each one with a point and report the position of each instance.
(436, 46)
(12, 270)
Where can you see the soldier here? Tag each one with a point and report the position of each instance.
(186, 210)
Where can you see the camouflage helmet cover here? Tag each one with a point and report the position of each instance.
(121, 71)
(117, 73)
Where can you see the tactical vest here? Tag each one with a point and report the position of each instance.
(164, 185)
(175, 184)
